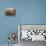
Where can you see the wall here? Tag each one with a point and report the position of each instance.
(27, 12)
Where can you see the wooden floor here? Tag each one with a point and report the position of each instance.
(30, 43)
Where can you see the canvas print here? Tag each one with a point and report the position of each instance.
(10, 12)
